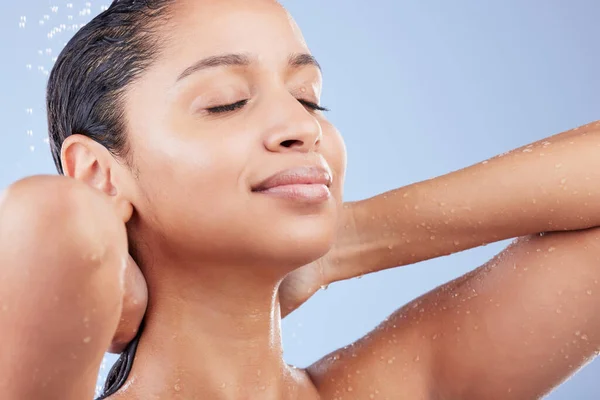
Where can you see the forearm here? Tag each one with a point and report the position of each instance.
(551, 185)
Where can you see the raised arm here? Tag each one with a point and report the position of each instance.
(549, 185)
(61, 263)
(512, 329)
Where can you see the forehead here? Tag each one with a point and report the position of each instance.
(207, 28)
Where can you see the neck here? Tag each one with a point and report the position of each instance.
(211, 332)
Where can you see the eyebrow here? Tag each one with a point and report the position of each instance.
(296, 60)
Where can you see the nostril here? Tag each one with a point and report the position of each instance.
(291, 143)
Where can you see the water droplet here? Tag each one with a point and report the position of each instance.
(87, 339)
(589, 292)
(349, 388)
(177, 387)
(324, 287)
(551, 249)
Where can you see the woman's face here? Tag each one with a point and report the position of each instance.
(224, 112)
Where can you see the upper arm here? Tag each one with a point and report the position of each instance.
(59, 288)
(512, 329)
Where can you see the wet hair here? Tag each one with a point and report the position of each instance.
(119, 373)
(85, 95)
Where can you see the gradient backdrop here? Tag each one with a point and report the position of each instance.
(418, 88)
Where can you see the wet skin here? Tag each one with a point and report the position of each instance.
(236, 188)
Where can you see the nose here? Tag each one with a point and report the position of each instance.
(293, 128)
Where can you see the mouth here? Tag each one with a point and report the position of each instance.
(309, 184)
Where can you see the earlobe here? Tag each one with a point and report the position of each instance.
(124, 208)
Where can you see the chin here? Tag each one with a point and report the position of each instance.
(297, 244)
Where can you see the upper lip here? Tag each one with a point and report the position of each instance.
(303, 175)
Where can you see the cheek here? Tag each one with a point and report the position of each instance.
(188, 169)
(191, 186)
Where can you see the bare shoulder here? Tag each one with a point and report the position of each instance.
(516, 310)
(367, 368)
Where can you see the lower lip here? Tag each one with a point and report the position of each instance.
(308, 193)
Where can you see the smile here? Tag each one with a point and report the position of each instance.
(309, 184)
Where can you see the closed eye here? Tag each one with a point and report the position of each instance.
(227, 107)
(312, 106)
(240, 104)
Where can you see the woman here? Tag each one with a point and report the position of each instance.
(197, 144)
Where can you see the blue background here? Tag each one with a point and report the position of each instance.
(418, 89)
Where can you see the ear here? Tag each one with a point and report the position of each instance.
(88, 161)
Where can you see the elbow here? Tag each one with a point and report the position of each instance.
(55, 229)
(61, 213)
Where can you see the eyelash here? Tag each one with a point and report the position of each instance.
(236, 106)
